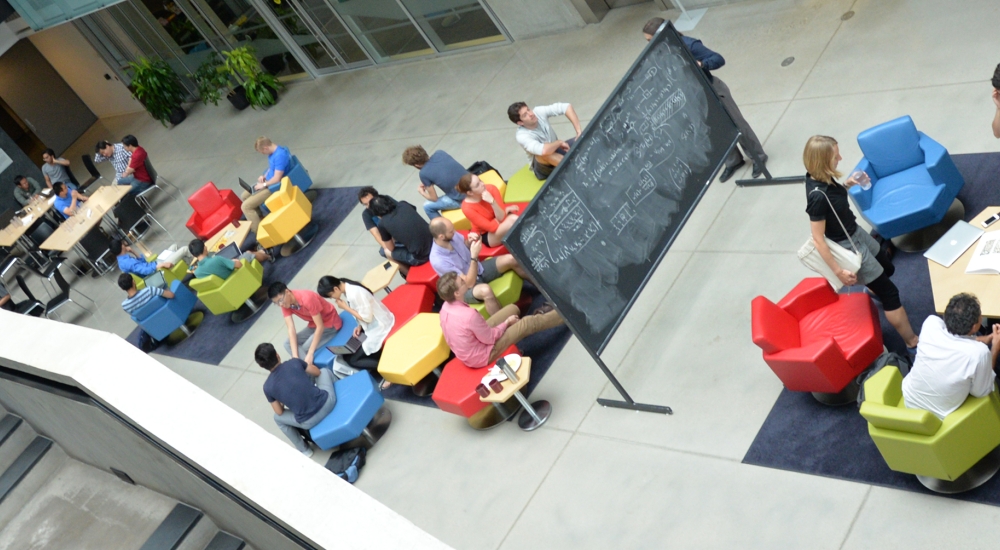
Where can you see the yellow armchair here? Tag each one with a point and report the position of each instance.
(291, 212)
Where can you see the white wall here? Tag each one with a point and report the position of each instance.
(79, 64)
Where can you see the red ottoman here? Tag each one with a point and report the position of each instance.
(489, 251)
(406, 302)
(423, 275)
(456, 391)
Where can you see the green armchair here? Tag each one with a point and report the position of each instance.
(175, 273)
(947, 456)
(235, 294)
(507, 289)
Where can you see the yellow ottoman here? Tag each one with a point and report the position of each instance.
(493, 178)
(458, 219)
(414, 351)
(507, 289)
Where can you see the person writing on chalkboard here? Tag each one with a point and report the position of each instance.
(486, 211)
(709, 60)
(828, 207)
(536, 135)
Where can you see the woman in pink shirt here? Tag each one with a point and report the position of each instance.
(485, 209)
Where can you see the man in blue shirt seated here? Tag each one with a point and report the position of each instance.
(67, 198)
(709, 61)
(128, 262)
(438, 169)
(138, 298)
(301, 395)
(205, 264)
(278, 161)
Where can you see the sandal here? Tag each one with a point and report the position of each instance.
(384, 385)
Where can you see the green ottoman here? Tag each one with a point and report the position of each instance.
(522, 186)
(507, 289)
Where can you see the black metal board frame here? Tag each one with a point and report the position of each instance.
(667, 32)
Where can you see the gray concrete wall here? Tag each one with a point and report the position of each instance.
(531, 18)
(22, 165)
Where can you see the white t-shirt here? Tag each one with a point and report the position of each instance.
(533, 140)
(376, 319)
(948, 369)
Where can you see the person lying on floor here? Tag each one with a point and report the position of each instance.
(205, 264)
(952, 362)
(312, 308)
(451, 252)
(301, 395)
(374, 319)
(478, 342)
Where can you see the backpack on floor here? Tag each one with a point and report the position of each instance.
(887, 358)
(347, 464)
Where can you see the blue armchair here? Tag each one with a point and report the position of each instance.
(914, 180)
(298, 174)
(160, 316)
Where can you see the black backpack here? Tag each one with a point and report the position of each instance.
(901, 362)
(347, 464)
(481, 167)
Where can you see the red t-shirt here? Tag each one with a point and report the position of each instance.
(310, 304)
(481, 214)
(138, 163)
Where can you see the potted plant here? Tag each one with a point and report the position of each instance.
(159, 89)
(261, 88)
(212, 79)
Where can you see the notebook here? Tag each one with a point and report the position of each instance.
(231, 251)
(351, 346)
(954, 243)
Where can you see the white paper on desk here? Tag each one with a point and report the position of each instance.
(513, 361)
(27, 219)
(986, 256)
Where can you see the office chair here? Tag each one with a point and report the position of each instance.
(64, 298)
(88, 163)
(31, 306)
(156, 181)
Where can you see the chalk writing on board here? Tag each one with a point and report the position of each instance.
(608, 213)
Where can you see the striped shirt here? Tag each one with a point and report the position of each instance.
(141, 298)
(119, 159)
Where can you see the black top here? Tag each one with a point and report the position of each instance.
(289, 384)
(819, 210)
(371, 220)
(404, 226)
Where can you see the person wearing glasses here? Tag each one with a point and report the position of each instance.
(309, 306)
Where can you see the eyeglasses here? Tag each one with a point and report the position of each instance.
(284, 301)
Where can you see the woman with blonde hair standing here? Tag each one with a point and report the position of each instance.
(828, 207)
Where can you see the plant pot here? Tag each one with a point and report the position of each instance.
(177, 115)
(238, 97)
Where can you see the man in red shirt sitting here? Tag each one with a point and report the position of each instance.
(136, 175)
(478, 342)
(311, 307)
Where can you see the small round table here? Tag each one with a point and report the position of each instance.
(534, 414)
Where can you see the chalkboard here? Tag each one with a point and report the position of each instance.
(609, 212)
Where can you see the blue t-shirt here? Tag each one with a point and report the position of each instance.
(443, 171)
(289, 384)
(61, 204)
(278, 160)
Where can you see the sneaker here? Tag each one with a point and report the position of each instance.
(728, 171)
(543, 309)
(308, 452)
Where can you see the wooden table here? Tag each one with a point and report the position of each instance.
(534, 414)
(235, 232)
(19, 226)
(949, 281)
(379, 277)
(88, 216)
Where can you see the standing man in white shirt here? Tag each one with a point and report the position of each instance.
(536, 136)
(952, 362)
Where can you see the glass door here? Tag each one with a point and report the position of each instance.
(383, 28)
(319, 34)
(454, 24)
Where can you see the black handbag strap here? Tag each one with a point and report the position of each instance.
(832, 209)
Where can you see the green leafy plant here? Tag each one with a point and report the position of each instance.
(260, 86)
(157, 87)
(212, 79)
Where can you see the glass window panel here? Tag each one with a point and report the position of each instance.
(383, 28)
(42, 14)
(454, 24)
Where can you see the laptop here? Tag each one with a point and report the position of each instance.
(349, 347)
(954, 243)
(249, 188)
(231, 251)
(156, 280)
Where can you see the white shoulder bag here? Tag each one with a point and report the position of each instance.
(846, 259)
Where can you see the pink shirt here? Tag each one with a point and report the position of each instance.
(468, 335)
(310, 304)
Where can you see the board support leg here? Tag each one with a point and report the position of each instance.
(768, 180)
(629, 403)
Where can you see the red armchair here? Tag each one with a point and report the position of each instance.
(406, 302)
(213, 210)
(816, 340)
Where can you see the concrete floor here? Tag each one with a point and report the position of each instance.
(595, 477)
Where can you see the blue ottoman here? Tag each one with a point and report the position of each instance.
(358, 402)
(323, 358)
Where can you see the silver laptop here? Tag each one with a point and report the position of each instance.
(156, 280)
(954, 243)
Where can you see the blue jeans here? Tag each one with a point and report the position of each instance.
(286, 420)
(444, 202)
(138, 186)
